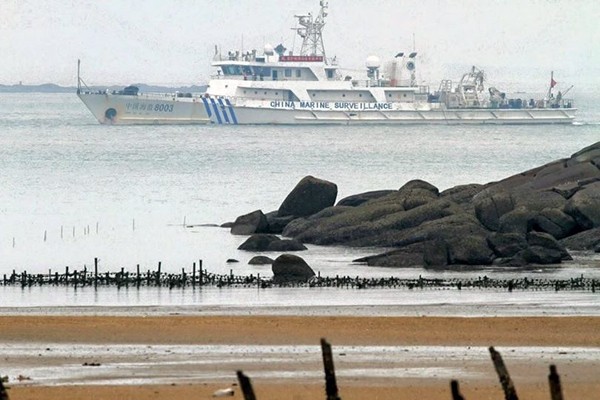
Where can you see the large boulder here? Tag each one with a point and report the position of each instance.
(547, 241)
(506, 245)
(417, 193)
(541, 255)
(555, 222)
(470, 250)
(358, 199)
(288, 268)
(584, 206)
(517, 221)
(490, 207)
(276, 223)
(260, 260)
(265, 242)
(435, 253)
(586, 240)
(254, 222)
(406, 256)
(310, 196)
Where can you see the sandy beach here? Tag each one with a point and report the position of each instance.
(564, 341)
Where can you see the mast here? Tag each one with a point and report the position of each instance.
(312, 32)
(78, 76)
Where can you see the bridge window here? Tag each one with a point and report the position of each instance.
(298, 73)
(288, 72)
(329, 74)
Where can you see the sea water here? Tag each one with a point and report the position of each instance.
(72, 190)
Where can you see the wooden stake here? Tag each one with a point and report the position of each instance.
(246, 386)
(3, 393)
(455, 391)
(554, 381)
(508, 386)
(331, 389)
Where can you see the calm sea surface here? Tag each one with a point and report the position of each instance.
(72, 190)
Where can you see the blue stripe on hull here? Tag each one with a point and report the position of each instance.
(224, 111)
(207, 107)
(216, 110)
(232, 111)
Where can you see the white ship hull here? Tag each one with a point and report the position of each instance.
(425, 114)
(115, 109)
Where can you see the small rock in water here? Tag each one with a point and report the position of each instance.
(231, 260)
(223, 393)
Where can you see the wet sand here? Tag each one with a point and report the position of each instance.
(580, 377)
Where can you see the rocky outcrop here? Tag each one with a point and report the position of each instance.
(260, 260)
(288, 268)
(267, 242)
(358, 199)
(586, 240)
(254, 222)
(310, 196)
(531, 217)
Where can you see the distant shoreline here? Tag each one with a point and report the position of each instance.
(54, 88)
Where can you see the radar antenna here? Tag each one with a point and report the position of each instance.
(311, 32)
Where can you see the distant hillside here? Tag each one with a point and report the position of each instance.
(53, 88)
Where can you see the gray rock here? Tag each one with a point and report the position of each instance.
(584, 206)
(419, 184)
(310, 196)
(541, 255)
(586, 240)
(254, 222)
(258, 242)
(506, 245)
(289, 268)
(555, 222)
(267, 242)
(538, 200)
(358, 199)
(489, 207)
(547, 241)
(286, 245)
(587, 154)
(277, 224)
(519, 220)
(232, 261)
(260, 260)
(435, 253)
(416, 193)
(462, 194)
(407, 256)
(470, 250)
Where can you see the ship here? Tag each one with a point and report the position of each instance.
(281, 87)
(131, 107)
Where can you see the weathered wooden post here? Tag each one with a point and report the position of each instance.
(508, 386)
(3, 393)
(67, 275)
(331, 389)
(95, 271)
(194, 274)
(137, 278)
(158, 274)
(455, 391)
(554, 381)
(246, 386)
(201, 272)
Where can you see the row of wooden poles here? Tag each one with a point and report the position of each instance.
(331, 387)
(332, 393)
(201, 277)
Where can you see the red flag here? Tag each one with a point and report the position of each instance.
(552, 83)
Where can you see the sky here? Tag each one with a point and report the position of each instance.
(172, 42)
